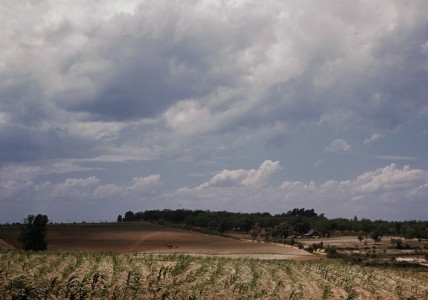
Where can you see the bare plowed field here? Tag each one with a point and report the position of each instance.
(150, 238)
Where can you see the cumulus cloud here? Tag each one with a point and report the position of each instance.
(244, 177)
(78, 198)
(185, 63)
(374, 186)
(388, 193)
(95, 85)
(397, 193)
(373, 138)
(95, 130)
(71, 188)
(338, 145)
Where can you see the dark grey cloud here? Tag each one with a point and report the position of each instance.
(146, 71)
(21, 100)
(27, 144)
(211, 86)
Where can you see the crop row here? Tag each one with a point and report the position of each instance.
(54, 275)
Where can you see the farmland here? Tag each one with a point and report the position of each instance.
(134, 261)
(145, 237)
(84, 275)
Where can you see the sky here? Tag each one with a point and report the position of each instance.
(246, 106)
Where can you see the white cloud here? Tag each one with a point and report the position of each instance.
(209, 69)
(96, 130)
(389, 188)
(24, 172)
(386, 193)
(244, 177)
(150, 184)
(336, 118)
(394, 157)
(390, 179)
(373, 138)
(105, 83)
(3, 118)
(424, 48)
(185, 115)
(126, 153)
(138, 187)
(85, 198)
(318, 163)
(338, 145)
(72, 188)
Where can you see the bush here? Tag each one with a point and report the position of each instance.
(33, 233)
(398, 243)
(331, 252)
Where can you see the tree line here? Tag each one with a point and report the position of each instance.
(296, 222)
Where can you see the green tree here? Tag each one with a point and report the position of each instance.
(331, 252)
(281, 230)
(409, 232)
(33, 233)
(129, 216)
(398, 243)
(360, 235)
(376, 236)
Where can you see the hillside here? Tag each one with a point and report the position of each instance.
(145, 237)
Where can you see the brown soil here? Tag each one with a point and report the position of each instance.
(4, 245)
(150, 238)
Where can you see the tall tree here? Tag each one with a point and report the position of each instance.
(33, 233)
(360, 235)
(376, 236)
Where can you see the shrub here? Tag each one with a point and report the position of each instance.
(332, 252)
(33, 233)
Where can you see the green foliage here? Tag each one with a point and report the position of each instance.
(295, 222)
(360, 235)
(33, 233)
(376, 236)
(397, 243)
(332, 252)
(315, 247)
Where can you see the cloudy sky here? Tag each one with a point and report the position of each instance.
(110, 106)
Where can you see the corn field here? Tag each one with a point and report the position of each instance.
(58, 275)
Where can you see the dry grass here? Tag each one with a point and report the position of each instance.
(132, 261)
(85, 275)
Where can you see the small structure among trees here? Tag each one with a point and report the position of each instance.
(312, 233)
(33, 233)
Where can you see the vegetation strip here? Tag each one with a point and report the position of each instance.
(46, 275)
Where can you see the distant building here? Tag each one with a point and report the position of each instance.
(311, 233)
